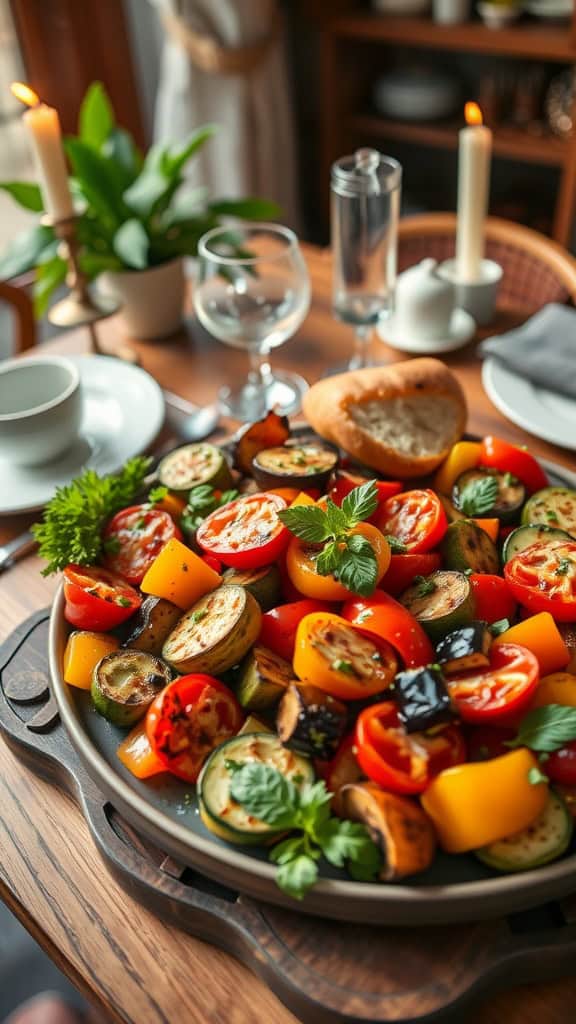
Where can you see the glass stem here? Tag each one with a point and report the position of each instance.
(258, 378)
(362, 336)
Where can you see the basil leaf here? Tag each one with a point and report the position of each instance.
(478, 496)
(336, 519)
(297, 876)
(358, 568)
(308, 522)
(546, 729)
(328, 560)
(360, 503)
(265, 793)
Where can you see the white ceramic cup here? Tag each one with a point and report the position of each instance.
(424, 302)
(40, 408)
(477, 297)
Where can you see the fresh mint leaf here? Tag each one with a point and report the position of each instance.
(265, 793)
(479, 496)
(328, 559)
(358, 568)
(296, 876)
(360, 503)
(396, 546)
(336, 519)
(546, 729)
(308, 522)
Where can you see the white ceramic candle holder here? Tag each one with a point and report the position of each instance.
(477, 297)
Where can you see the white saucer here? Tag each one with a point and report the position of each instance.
(547, 415)
(123, 413)
(462, 328)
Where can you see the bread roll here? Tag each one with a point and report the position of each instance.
(401, 419)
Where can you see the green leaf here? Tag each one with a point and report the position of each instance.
(360, 503)
(49, 276)
(288, 849)
(131, 244)
(121, 148)
(152, 185)
(314, 809)
(344, 840)
(308, 522)
(266, 794)
(396, 546)
(478, 496)
(100, 181)
(93, 264)
(336, 519)
(249, 209)
(535, 776)
(329, 558)
(25, 194)
(96, 118)
(188, 206)
(296, 876)
(157, 494)
(24, 252)
(547, 728)
(499, 627)
(425, 585)
(358, 569)
(178, 157)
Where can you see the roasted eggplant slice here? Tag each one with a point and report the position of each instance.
(124, 684)
(467, 548)
(267, 433)
(473, 489)
(148, 628)
(264, 678)
(216, 633)
(465, 648)
(264, 584)
(194, 464)
(303, 465)
(311, 721)
(423, 700)
(398, 826)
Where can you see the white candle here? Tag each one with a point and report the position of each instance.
(474, 158)
(43, 126)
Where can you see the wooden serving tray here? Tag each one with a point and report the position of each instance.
(324, 972)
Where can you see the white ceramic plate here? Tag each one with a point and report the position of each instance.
(462, 328)
(123, 413)
(545, 414)
(549, 8)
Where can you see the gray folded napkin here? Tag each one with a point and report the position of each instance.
(543, 350)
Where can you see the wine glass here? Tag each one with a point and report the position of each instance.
(365, 204)
(253, 293)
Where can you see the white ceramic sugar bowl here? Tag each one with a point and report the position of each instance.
(424, 302)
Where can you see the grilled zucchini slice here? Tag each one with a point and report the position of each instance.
(303, 465)
(264, 678)
(265, 584)
(544, 840)
(466, 547)
(465, 648)
(441, 602)
(216, 633)
(311, 721)
(124, 684)
(553, 506)
(524, 536)
(194, 464)
(222, 815)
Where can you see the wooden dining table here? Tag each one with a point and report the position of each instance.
(127, 963)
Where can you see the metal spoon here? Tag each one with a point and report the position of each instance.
(190, 422)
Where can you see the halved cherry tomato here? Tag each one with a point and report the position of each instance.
(301, 566)
(382, 615)
(399, 761)
(134, 537)
(492, 598)
(346, 482)
(279, 625)
(499, 693)
(561, 765)
(97, 599)
(403, 569)
(188, 719)
(246, 533)
(542, 577)
(416, 518)
(340, 659)
(508, 458)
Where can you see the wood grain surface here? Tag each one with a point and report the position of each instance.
(119, 955)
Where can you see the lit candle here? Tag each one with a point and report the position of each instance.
(43, 125)
(474, 158)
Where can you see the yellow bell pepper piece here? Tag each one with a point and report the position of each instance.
(557, 688)
(82, 653)
(462, 456)
(179, 575)
(477, 803)
(302, 499)
(541, 635)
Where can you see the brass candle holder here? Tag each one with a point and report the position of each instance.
(81, 308)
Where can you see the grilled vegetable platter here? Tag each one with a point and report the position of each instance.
(322, 674)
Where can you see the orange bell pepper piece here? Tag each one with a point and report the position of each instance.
(82, 653)
(179, 575)
(541, 635)
(557, 688)
(474, 804)
(137, 755)
(302, 499)
(490, 526)
(462, 456)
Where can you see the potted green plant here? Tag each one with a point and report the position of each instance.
(136, 222)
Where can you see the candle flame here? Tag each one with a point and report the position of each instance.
(25, 94)
(473, 114)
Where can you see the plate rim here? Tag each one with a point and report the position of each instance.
(371, 903)
(491, 365)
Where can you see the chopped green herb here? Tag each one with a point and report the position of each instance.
(510, 480)
(551, 515)
(123, 602)
(425, 585)
(199, 615)
(341, 665)
(479, 496)
(157, 494)
(563, 567)
(396, 546)
(535, 776)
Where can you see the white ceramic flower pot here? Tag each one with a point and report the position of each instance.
(152, 300)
